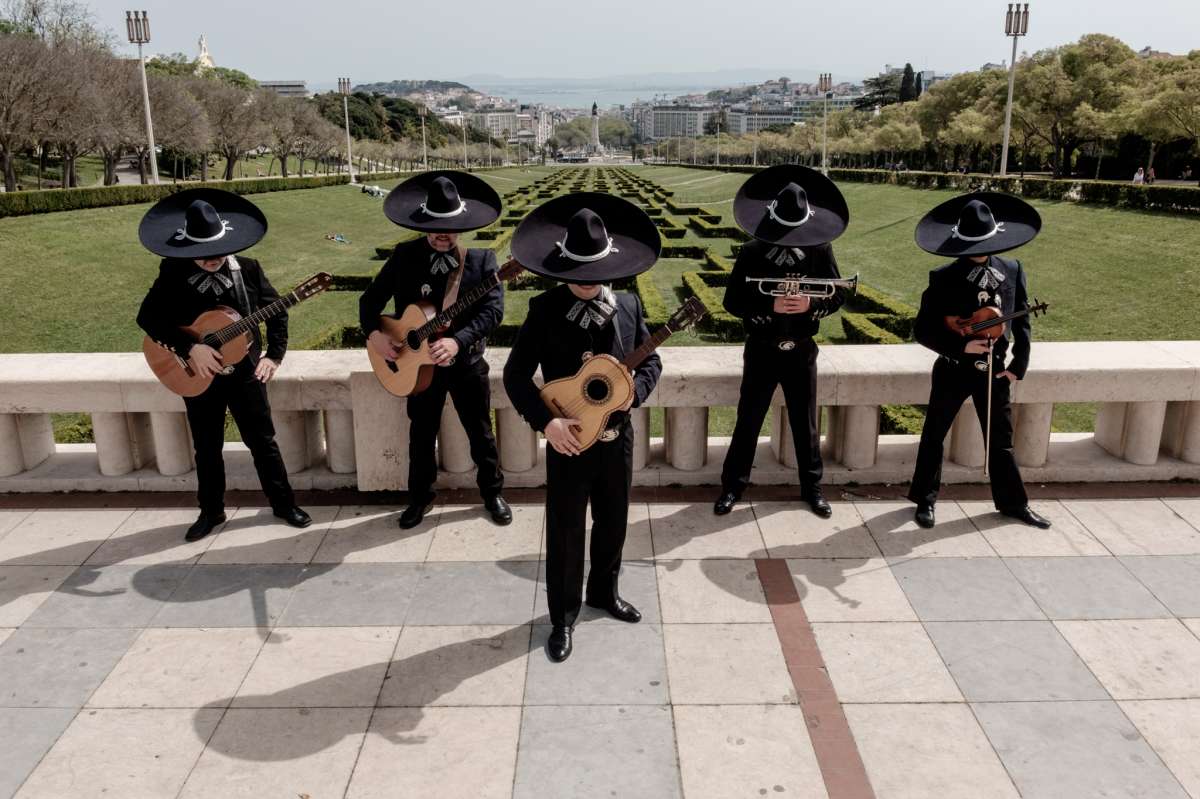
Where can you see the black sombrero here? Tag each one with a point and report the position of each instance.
(791, 205)
(586, 237)
(981, 223)
(443, 201)
(201, 223)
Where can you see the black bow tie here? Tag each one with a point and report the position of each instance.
(596, 311)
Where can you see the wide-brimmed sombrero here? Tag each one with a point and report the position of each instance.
(981, 223)
(201, 223)
(586, 237)
(443, 201)
(791, 205)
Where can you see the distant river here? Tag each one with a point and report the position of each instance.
(573, 95)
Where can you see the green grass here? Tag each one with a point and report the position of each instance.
(74, 280)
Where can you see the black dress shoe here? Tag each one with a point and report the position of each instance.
(816, 500)
(619, 609)
(925, 515)
(498, 507)
(725, 503)
(414, 513)
(558, 645)
(295, 517)
(203, 526)
(1027, 515)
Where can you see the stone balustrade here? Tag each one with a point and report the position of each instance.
(338, 429)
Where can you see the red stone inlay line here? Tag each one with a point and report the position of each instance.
(837, 753)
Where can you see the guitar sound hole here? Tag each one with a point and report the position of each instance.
(412, 341)
(597, 389)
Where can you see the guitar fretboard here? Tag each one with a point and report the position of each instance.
(248, 323)
(635, 358)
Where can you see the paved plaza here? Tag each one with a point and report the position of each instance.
(779, 656)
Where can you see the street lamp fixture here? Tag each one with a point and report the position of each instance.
(825, 87)
(1016, 25)
(344, 90)
(137, 24)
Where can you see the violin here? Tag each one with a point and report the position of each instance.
(989, 323)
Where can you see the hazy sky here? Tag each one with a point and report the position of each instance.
(449, 39)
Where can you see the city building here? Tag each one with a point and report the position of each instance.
(680, 120)
(499, 123)
(286, 88)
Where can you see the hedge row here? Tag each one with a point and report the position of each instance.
(860, 329)
(683, 251)
(669, 228)
(653, 304)
(1118, 194)
(710, 230)
(22, 203)
(718, 321)
(901, 419)
(869, 300)
(716, 262)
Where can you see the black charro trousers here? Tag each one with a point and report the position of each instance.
(469, 390)
(246, 399)
(602, 475)
(952, 384)
(765, 366)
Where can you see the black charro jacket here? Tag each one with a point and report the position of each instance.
(952, 293)
(407, 273)
(173, 303)
(755, 309)
(549, 340)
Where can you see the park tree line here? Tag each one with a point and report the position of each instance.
(1092, 108)
(64, 95)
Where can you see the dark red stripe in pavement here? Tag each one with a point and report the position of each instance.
(837, 753)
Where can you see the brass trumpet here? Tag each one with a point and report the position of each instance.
(801, 286)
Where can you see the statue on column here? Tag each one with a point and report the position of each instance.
(203, 58)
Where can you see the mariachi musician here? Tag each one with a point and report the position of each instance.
(197, 232)
(584, 241)
(435, 268)
(973, 229)
(792, 212)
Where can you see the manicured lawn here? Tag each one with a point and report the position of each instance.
(74, 280)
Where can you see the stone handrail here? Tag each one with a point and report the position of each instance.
(338, 429)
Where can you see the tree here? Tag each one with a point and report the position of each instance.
(279, 116)
(24, 62)
(908, 85)
(234, 117)
(715, 122)
(54, 22)
(881, 91)
(1176, 99)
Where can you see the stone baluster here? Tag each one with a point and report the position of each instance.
(454, 448)
(1031, 432)
(1132, 430)
(856, 431)
(380, 435)
(339, 441)
(687, 438)
(517, 441)
(114, 443)
(781, 437)
(1181, 430)
(172, 446)
(966, 439)
(12, 459)
(640, 417)
(291, 434)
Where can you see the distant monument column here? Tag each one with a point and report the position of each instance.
(594, 146)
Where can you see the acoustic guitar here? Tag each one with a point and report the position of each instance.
(419, 326)
(226, 331)
(604, 385)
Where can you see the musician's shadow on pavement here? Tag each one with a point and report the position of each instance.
(825, 563)
(421, 680)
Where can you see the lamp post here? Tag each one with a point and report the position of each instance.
(464, 121)
(825, 86)
(344, 89)
(1016, 25)
(137, 23)
(718, 121)
(422, 111)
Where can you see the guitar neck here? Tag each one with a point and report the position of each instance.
(248, 323)
(463, 303)
(634, 359)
